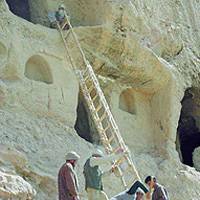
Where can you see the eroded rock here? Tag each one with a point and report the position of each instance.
(15, 187)
(196, 158)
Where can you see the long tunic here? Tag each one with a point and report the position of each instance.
(67, 183)
(160, 193)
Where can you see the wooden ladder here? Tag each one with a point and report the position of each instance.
(107, 128)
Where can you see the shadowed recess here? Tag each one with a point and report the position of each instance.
(188, 134)
(84, 125)
(38, 69)
(127, 101)
(20, 8)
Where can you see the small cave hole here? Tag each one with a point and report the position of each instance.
(127, 101)
(84, 125)
(38, 69)
(20, 8)
(188, 134)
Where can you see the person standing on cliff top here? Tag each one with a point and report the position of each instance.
(67, 179)
(159, 191)
(59, 17)
(62, 17)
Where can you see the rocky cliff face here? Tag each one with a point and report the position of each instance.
(146, 56)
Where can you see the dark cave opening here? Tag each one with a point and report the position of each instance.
(20, 8)
(188, 134)
(84, 124)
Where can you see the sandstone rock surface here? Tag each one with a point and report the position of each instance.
(196, 158)
(15, 187)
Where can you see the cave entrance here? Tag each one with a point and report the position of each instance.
(188, 134)
(20, 8)
(84, 125)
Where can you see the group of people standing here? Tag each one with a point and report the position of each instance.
(68, 186)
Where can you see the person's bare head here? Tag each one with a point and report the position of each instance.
(150, 181)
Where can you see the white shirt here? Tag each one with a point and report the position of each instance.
(124, 196)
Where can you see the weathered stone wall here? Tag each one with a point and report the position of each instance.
(196, 158)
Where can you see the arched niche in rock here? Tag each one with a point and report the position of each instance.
(127, 101)
(38, 69)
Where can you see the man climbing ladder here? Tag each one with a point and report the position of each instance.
(108, 130)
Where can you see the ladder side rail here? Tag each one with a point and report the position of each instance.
(79, 76)
(101, 95)
(109, 114)
(113, 126)
(107, 146)
(111, 118)
(92, 108)
(66, 47)
(106, 106)
(112, 123)
(76, 40)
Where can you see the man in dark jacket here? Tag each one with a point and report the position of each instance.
(67, 179)
(159, 191)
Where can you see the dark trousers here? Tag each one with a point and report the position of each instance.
(137, 185)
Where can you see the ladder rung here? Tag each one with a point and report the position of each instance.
(85, 72)
(93, 98)
(90, 89)
(120, 161)
(102, 118)
(98, 108)
(86, 78)
(116, 149)
(107, 128)
(63, 26)
(111, 138)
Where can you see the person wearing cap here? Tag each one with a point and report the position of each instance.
(67, 178)
(93, 173)
(61, 16)
(159, 191)
(139, 195)
(136, 192)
